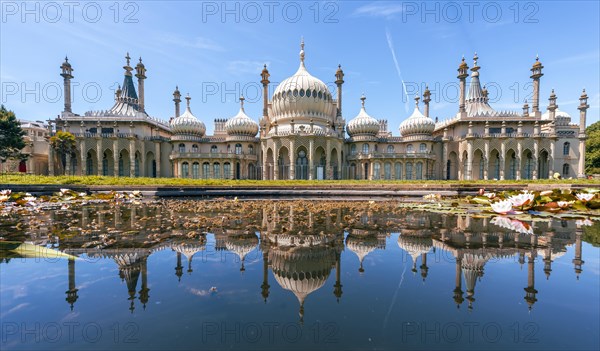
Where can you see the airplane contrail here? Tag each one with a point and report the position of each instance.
(391, 46)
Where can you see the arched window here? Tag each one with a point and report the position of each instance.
(238, 149)
(398, 170)
(353, 149)
(422, 147)
(181, 147)
(528, 166)
(409, 167)
(390, 149)
(216, 170)
(419, 170)
(185, 168)
(89, 164)
(213, 149)
(377, 171)
(195, 170)
(387, 171)
(365, 149)
(251, 149)
(136, 166)
(565, 169)
(206, 170)
(105, 165)
(410, 148)
(566, 148)
(226, 170)
(194, 148)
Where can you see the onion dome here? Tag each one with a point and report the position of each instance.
(363, 124)
(417, 123)
(537, 62)
(242, 246)
(241, 124)
(362, 247)
(302, 95)
(557, 114)
(187, 123)
(463, 64)
(415, 245)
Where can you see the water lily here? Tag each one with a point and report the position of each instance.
(564, 204)
(546, 193)
(30, 199)
(6, 192)
(521, 200)
(512, 224)
(502, 207)
(489, 195)
(585, 223)
(81, 194)
(583, 197)
(432, 197)
(4, 198)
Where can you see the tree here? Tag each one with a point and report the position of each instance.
(11, 136)
(64, 144)
(592, 148)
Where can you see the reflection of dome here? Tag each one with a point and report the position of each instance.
(363, 124)
(417, 123)
(415, 245)
(241, 246)
(187, 123)
(302, 96)
(302, 270)
(241, 124)
(189, 250)
(361, 246)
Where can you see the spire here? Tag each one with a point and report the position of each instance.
(475, 68)
(242, 102)
(127, 67)
(302, 51)
(188, 98)
(362, 99)
(417, 98)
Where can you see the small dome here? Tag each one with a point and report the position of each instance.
(187, 123)
(557, 114)
(241, 124)
(417, 123)
(363, 124)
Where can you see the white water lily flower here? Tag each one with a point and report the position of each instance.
(512, 224)
(585, 197)
(564, 204)
(584, 223)
(4, 198)
(489, 195)
(29, 198)
(502, 207)
(82, 194)
(521, 199)
(6, 192)
(64, 190)
(546, 192)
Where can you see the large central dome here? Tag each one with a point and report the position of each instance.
(302, 97)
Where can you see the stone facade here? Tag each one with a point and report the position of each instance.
(303, 134)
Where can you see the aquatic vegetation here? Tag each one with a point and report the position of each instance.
(502, 207)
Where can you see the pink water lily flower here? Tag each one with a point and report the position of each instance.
(502, 207)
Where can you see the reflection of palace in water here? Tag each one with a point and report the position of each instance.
(301, 246)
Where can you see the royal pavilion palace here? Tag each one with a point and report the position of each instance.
(303, 134)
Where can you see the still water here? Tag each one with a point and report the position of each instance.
(297, 275)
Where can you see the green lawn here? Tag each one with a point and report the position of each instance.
(97, 180)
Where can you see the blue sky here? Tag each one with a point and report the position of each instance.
(215, 50)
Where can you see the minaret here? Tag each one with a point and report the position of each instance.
(530, 289)
(179, 267)
(72, 292)
(458, 293)
(583, 106)
(337, 291)
(426, 99)
(548, 255)
(339, 80)
(144, 297)
(67, 71)
(577, 261)
(462, 77)
(265, 285)
(264, 75)
(141, 76)
(536, 74)
(525, 109)
(177, 100)
(423, 267)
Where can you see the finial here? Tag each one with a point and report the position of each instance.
(242, 101)
(463, 58)
(177, 87)
(417, 98)
(66, 59)
(537, 57)
(127, 58)
(475, 58)
(362, 99)
(140, 59)
(302, 50)
(188, 98)
(265, 66)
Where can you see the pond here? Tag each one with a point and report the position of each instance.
(191, 274)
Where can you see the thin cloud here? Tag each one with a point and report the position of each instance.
(379, 10)
(246, 67)
(579, 58)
